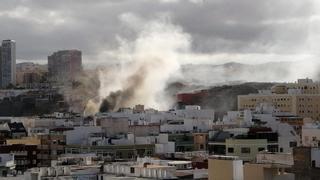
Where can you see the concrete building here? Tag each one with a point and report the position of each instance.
(306, 163)
(253, 171)
(8, 63)
(7, 164)
(64, 65)
(114, 152)
(144, 170)
(200, 141)
(299, 99)
(31, 75)
(113, 126)
(49, 147)
(225, 167)
(25, 156)
(268, 167)
(246, 145)
(310, 135)
(80, 135)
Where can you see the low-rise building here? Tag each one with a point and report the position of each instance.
(310, 135)
(7, 164)
(25, 156)
(306, 162)
(48, 146)
(200, 141)
(114, 152)
(225, 167)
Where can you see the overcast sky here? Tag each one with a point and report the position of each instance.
(243, 30)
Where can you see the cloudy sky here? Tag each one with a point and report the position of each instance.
(221, 30)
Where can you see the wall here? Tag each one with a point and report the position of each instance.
(25, 140)
(225, 169)
(144, 130)
(80, 135)
(315, 156)
(114, 126)
(253, 144)
(308, 135)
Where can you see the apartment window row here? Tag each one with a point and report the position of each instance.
(283, 105)
(249, 106)
(309, 105)
(306, 111)
(305, 99)
(245, 150)
(281, 99)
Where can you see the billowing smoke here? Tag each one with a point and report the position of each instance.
(145, 67)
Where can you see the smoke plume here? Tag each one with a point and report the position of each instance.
(145, 67)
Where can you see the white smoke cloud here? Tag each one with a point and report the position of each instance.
(146, 64)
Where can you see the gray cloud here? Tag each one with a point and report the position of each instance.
(216, 26)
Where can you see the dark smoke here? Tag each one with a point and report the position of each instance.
(123, 98)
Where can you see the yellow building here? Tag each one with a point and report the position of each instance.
(254, 171)
(225, 167)
(300, 99)
(34, 140)
(200, 141)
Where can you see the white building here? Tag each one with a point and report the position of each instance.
(7, 164)
(80, 135)
(311, 135)
(266, 114)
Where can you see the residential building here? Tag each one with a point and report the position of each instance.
(299, 99)
(7, 165)
(266, 171)
(17, 130)
(183, 141)
(113, 125)
(31, 75)
(25, 156)
(144, 130)
(144, 169)
(306, 163)
(8, 63)
(310, 135)
(64, 65)
(269, 166)
(225, 167)
(245, 146)
(113, 152)
(200, 141)
(49, 146)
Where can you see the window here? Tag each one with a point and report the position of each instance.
(119, 155)
(293, 144)
(131, 170)
(230, 150)
(201, 146)
(260, 149)
(245, 150)
(281, 149)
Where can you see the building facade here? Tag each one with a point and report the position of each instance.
(8, 63)
(64, 65)
(299, 99)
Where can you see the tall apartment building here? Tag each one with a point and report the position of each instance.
(7, 63)
(64, 65)
(300, 99)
